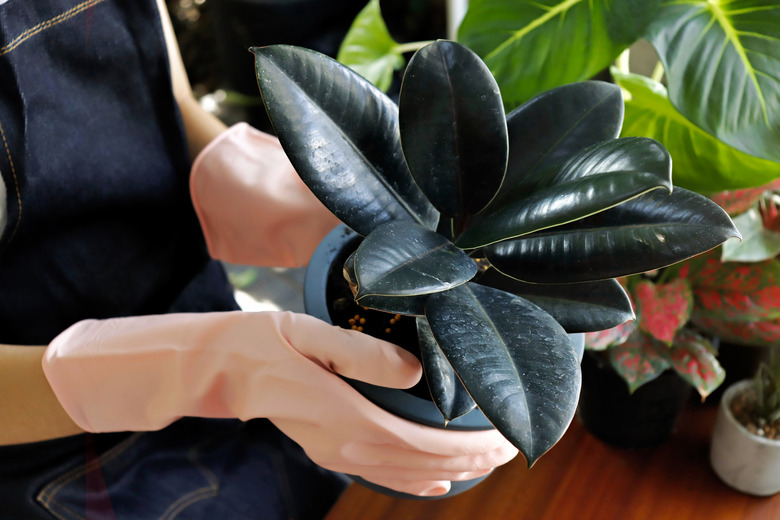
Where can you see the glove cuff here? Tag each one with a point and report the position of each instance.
(252, 206)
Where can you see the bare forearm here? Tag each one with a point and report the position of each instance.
(29, 410)
(201, 126)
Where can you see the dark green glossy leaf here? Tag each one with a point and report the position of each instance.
(722, 62)
(406, 305)
(404, 259)
(555, 125)
(534, 45)
(515, 360)
(448, 393)
(649, 232)
(607, 174)
(580, 307)
(702, 163)
(341, 134)
(453, 128)
(368, 48)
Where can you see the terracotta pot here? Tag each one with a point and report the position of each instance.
(746, 462)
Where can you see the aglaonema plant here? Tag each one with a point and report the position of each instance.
(499, 233)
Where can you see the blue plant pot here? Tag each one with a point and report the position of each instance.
(326, 263)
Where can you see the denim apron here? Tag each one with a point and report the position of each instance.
(99, 224)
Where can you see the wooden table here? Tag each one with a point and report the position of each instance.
(582, 478)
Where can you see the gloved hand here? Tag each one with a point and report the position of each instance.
(252, 206)
(142, 373)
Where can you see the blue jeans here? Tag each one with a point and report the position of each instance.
(195, 469)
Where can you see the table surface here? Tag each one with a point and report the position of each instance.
(584, 479)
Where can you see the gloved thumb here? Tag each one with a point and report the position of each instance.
(350, 353)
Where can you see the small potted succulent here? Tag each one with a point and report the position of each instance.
(495, 235)
(745, 448)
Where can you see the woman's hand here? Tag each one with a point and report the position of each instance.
(143, 373)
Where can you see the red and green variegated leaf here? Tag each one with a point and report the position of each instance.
(639, 360)
(734, 291)
(735, 202)
(603, 339)
(738, 307)
(760, 333)
(664, 308)
(706, 271)
(693, 357)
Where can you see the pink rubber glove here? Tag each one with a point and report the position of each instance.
(142, 373)
(252, 206)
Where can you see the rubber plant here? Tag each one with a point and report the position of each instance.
(500, 233)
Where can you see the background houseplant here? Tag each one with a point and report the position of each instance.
(719, 118)
(745, 449)
(445, 187)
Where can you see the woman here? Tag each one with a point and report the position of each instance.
(116, 318)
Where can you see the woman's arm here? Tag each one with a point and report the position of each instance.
(201, 126)
(29, 410)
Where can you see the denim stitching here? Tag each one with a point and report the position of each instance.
(32, 31)
(16, 183)
(193, 496)
(46, 496)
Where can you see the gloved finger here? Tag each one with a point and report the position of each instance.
(350, 353)
(405, 474)
(437, 441)
(422, 488)
(394, 456)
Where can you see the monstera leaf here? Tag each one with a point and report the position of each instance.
(369, 50)
(515, 360)
(520, 39)
(722, 62)
(702, 162)
(341, 134)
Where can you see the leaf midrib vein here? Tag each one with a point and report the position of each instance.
(523, 31)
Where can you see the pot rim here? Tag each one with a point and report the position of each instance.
(725, 408)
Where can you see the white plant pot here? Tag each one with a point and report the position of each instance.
(748, 463)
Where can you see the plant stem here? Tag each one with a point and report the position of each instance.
(622, 61)
(658, 72)
(410, 46)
